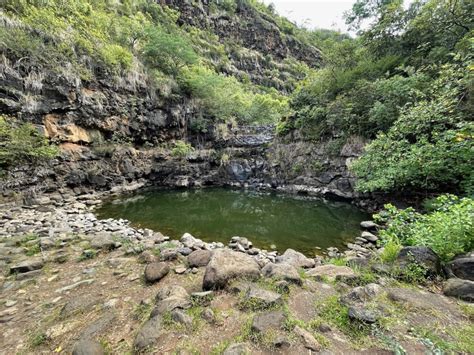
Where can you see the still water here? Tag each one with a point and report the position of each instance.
(268, 219)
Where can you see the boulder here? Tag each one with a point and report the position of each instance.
(463, 268)
(148, 334)
(261, 298)
(190, 242)
(103, 241)
(295, 259)
(226, 265)
(199, 258)
(462, 289)
(362, 294)
(422, 256)
(362, 315)
(331, 271)
(87, 347)
(308, 339)
(156, 271)
(282, 272)
(170, 298)
(27, 265)
(268, 321)
(369, 236)
(369, 225)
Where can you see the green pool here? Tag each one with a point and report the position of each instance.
(269, 220)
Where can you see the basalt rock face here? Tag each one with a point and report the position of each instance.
(118, 129)
(260, 46)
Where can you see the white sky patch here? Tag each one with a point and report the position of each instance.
(316, 13)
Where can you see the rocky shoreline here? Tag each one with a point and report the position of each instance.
(79, 284)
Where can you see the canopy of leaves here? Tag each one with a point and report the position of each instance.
(405, 82)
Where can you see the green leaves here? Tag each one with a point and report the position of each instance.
(23, 143)
(448, 229)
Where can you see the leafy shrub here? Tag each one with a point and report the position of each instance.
(448, 229)
(22, 144)
(181, 149)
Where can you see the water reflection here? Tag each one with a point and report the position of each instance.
(265, 218)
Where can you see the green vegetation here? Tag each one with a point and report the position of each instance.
(181, 149)
(139, 44)
(406, 83)
(448, 228)
(22, 143)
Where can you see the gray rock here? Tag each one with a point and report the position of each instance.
(370, 225)
(362, 294)
(87, 347)
(208, 315)
(282, 272)
(149, 334)
(295, 258)
(261, 298)
(362, 315)
(169, 298)
(78, 304)
(182, 318)
(103, 241)
(266, 321)
(199, 258)
(237, 349)
(226, 265)
(28, 275)
(331, 271)
(27, 265)
(462, 289)
(156, 271)
(420, 255)
(185, 251)
(463, 268)
(369, 236)
(169, 254)
(308, 339)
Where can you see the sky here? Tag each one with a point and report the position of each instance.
(314, 13)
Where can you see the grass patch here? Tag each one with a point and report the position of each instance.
(37, 339)
(334, 312)
(88, 254)
(142, 311)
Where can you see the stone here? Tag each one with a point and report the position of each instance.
(237, 349)
(190, 242)
(308, 339)
(27, 265)
(147, 257)
(199, 258)
(420, 255)
(169, 298)
(98, 326)
(462, 289)
(78, 304)
(28, 275)
(362, 315)
(185, 251)
(369, 236)
(148, 334)
(156, 271)
(180, 270)
(208, 315)
(226, 265)
(370, 225)
(261, 298)
(284, 272)
(295, 259)
(103, 241)
(331, 271)
(87, 347)
(270, 320)
(180, 317)
(463, 268)
(362, 294)
(169, 254)
(75, 285)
